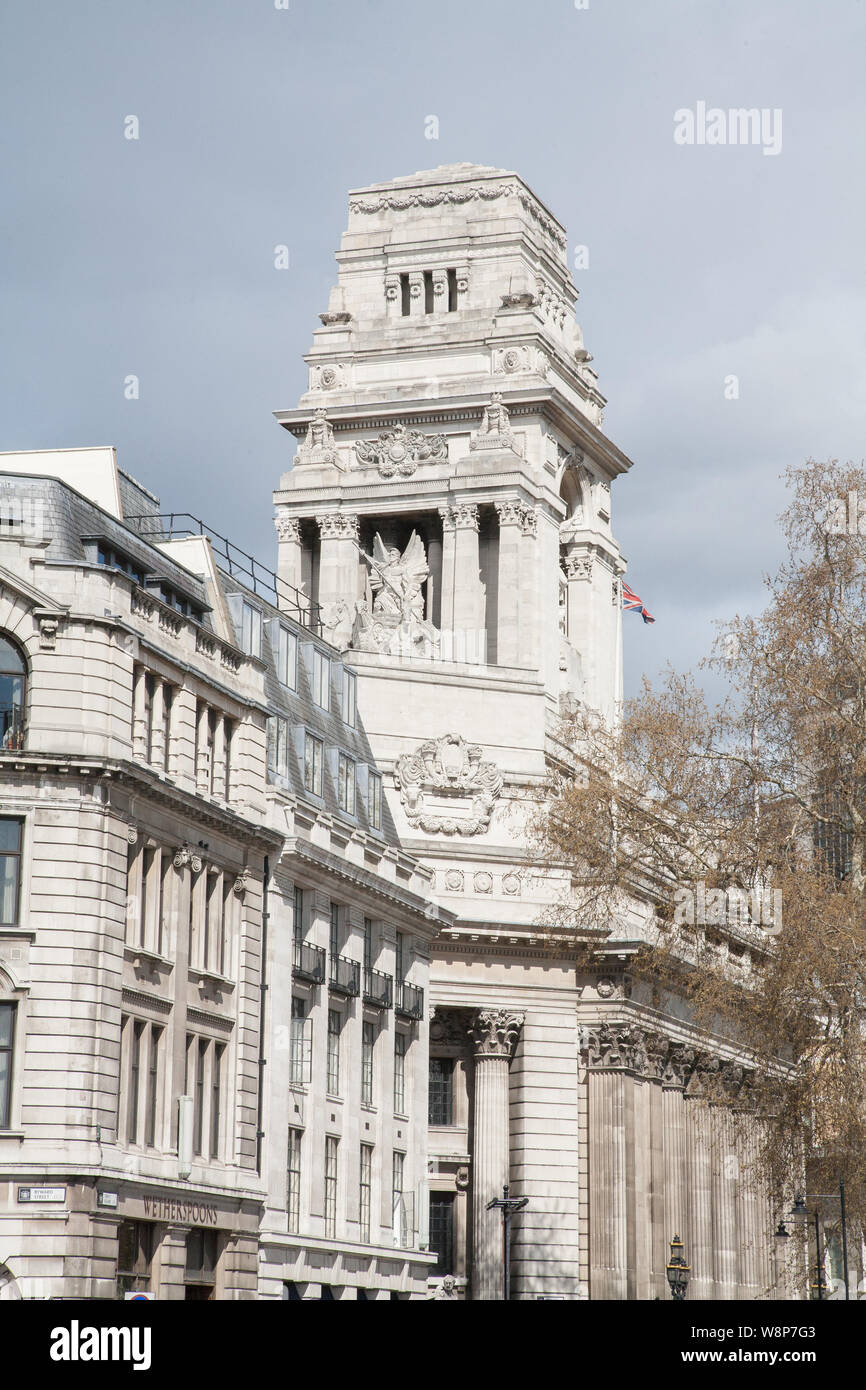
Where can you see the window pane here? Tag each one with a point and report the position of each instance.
(10, 658)
(10, 835)
(441, 1090)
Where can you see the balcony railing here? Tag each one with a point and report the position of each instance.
(309, 963)
(378, 989)
(345, 975)
(409, 1000)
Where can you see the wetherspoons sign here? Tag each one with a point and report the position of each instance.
(195, 1213)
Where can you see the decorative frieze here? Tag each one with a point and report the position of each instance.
(457, 196)
(400, 450)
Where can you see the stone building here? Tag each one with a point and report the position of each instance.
(449, 507)
(202, 887)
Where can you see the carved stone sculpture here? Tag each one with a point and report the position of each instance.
(495, 432)
(494, 1032)
(318, 447)
(400, 450)
(441, 773)
(392, 619)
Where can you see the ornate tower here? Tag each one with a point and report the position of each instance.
(450, 509)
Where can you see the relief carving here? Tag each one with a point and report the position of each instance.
(400, 450)
(440, 773)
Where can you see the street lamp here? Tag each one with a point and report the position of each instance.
(801, 1212)
(509, 1206)
(678, 1271)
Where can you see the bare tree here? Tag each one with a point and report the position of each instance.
(736, 833)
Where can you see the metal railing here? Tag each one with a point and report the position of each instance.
(309, 963)
(168, 526)
(378, 989)
(409, 1000)
(345, 975)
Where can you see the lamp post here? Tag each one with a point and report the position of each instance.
(800, 1212)
(678, 1271)
(509, 1206)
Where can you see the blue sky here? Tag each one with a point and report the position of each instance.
(155, 257)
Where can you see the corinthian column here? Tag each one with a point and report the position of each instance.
(494, 1034)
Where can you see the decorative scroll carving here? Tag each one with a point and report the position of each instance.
(181, 857)
(318, 446)
(448, 1028)
(400, 450)
(456, 196)
(438, 774)
(241, 884)
(494, 1032)
(132, 834)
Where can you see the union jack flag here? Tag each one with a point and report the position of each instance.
(632, 604)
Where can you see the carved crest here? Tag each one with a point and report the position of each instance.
(401, 450)
(447, 787)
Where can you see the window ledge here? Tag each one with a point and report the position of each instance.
(12, 1134)
(150, 961)
(210, 979)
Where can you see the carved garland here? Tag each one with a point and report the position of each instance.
(455, 196)
(445, 767)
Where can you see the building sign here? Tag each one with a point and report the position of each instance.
(42, 1194)
(162, 1209)
(106, 1199)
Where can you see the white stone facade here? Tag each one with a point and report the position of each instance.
(156, 826)
(450, 506)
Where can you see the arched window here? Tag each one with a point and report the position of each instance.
(13, 689)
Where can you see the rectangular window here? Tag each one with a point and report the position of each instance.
(10, 870)
(452, 291)
(374, 800)
(293, 1183)
(228, 735)
(150, 1111)
(211, 742)
(330, 1185)
(368, 943)
(278, 746)
(366, 1189)
(215, 1100)
(400, 958)
(334, 939)
(368, 1044)
(297, 1039)
(134, 1255)
(298, 922)
(251, 630)
(441, 1091)
(7, 1045)
(287, 658)
(321, 679)
(400, 1073)
(138, 1027)
(397, 1205)
(442, 1230)
(148, 716)
(225, 953)
(148, 859)
(314, 757)
(198, 1112)
(162, 907)
(350, 698)
(167, 700)
(335, 1023)
(346, 784)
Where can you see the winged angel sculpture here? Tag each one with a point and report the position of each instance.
(392, 620)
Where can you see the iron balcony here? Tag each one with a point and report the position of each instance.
(345, 975)
(309, 963)
(377, 989)
(409, 1001)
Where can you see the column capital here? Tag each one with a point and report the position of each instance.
(510, 513)
(465, 516)
(494, 1032)
(529, 521)
(578, 566)
(340, 526)
(288, 528)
